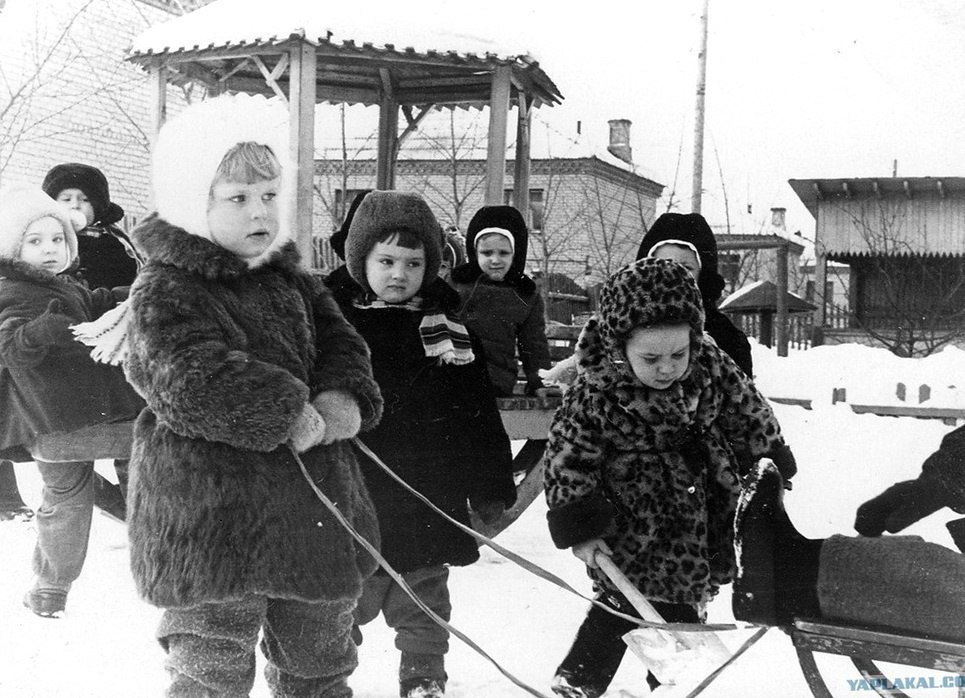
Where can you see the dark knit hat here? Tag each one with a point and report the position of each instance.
(337, 239)
(384, 212)
(645, 293)
(91, 181)
(692, 228)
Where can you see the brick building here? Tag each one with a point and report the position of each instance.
(588, 207)
(72, 97)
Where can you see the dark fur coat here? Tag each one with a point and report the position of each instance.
(48, 382)
(226, 357)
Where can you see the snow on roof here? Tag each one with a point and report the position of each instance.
(449, 27)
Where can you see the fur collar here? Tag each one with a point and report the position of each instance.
(167, 244)
(19, 270)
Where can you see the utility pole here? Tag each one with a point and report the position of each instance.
(699, 113)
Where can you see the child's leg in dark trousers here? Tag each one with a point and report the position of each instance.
(598, 649)
(63, 522)
(12, 505)
(211, 648)
(421, 640)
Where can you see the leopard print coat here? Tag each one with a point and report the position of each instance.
(655, 473)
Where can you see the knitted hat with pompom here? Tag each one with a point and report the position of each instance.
(191, 146)
(21, 205)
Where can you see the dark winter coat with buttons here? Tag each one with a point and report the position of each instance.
(440, 432)
(48, 382)
(227, 357)
(655, 473)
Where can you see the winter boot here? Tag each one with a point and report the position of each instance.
(422, 675)
(47, 600)
(777, 567)
(561, 686)
(109, 498)
(422, 688)
(12, 506)
(593, 660)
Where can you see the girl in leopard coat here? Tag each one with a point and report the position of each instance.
(645, 457)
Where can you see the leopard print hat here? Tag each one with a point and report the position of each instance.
(645, 293)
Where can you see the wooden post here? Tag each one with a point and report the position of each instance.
(780, 333)
(522, 164)
(301, 110)
(496, 150)
(820, 279)
(159, 98)
(698, 177)
(388, 134)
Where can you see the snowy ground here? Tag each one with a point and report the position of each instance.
(103, 647)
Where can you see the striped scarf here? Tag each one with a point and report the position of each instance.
(442, 335)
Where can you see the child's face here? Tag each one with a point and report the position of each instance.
(495, 256)
(243, 217)
(45, 245)
(683, 256)
(77, 200)
(659, 356)
(395, 273)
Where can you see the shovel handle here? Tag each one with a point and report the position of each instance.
(632, 594)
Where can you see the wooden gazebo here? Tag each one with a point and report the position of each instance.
(300, 53)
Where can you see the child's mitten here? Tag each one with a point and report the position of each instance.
(308, 430)
(52, 327)
(341, 414)
(489, 511)
(900, 506)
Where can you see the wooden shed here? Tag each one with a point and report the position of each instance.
(307, 53)
(760, 300)
(904, 241)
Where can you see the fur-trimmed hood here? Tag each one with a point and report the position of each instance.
(168, 244)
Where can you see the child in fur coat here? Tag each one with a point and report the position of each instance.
(441, 431)
(501, 304)
(244, 360)
(645, 457)
(48, 382)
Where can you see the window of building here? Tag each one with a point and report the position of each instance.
(535, 206)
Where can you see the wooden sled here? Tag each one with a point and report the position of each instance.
(864, 647)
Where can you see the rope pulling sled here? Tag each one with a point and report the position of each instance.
(670, 650)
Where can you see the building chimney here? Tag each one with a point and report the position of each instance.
(777, 219)
(620, 140)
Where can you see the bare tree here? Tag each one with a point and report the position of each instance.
(910, 302)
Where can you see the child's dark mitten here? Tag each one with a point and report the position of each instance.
(899, 506)
(532, 385)
(786, 464)
(489, 511)
(52, 327)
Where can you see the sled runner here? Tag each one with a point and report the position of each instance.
(865, 647)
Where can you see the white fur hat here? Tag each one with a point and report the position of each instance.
(191, 146)
(21, 205)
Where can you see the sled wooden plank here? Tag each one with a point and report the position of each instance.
(527, 417)
(796, 401)
(102, 441)
(876, 679)
(877, 645)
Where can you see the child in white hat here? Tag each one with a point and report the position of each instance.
(244, 361)
(48, 382)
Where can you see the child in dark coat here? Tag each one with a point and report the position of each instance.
(502, 305)
(678, 235)
(441, 431)
(48, 382)
(244, 360)
(645, 457)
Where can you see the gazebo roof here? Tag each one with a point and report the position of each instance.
(761, 296)
(233, 44)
